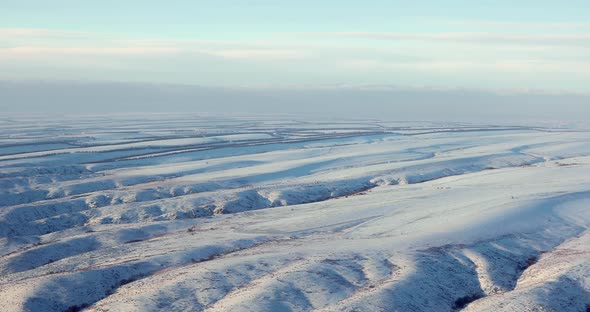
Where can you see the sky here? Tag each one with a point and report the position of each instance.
(498, 46)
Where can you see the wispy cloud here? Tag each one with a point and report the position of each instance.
(478, 38)
(503, 58)
(31, 33)
(26, 42)
(449, 66)
(261, 54)
(255, 54)
(508, 25)
(32, 50)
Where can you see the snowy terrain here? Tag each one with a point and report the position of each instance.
(242, 213)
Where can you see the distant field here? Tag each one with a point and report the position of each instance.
(241, 213)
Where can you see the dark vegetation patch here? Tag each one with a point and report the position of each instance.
(530, 261)
(76, 308)
(464, 301)
(134, 241)
(122, 282)
(567, 164)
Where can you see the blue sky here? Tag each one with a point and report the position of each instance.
(491, 45)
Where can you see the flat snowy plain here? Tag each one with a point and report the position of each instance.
(238, 213)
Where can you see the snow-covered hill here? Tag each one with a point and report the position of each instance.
(238, 213)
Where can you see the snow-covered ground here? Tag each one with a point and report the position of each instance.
(243, 213)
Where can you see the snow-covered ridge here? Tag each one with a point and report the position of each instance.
(267, 214)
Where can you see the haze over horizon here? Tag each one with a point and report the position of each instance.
(266, 56)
